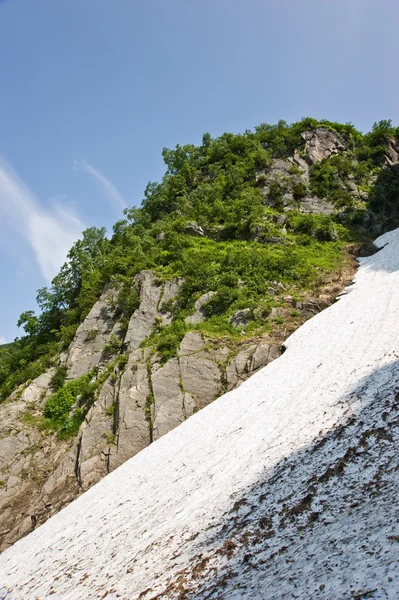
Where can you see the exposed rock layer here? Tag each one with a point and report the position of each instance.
(135, 406)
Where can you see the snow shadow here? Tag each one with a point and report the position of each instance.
(323, 523)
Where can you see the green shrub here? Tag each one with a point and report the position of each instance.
(299, 191)
(168, 340)
(59, 404)
(91, 334)
(122, 361)
(58, 379)
(110, 410)
(221, 302)
(321, 227)
(113, 346)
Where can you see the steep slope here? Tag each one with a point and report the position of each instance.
(245, 238)
(285, 487)
(134, 400)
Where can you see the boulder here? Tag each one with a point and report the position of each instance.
(248, 361)
(280, 220)
(191, 343)
(241, 317)
(238, 367)
(271, 240)
(263, 355)
(199, 315)
(309, 308)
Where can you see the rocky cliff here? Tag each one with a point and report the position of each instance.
(139, 400)
(128, 393)
(136, 404)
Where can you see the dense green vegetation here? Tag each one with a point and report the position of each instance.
(239, 252)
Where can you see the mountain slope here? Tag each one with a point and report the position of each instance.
(282, 488)
(245, 238)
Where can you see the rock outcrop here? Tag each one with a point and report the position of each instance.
(287, 181)
(143, 319)
(199, 315)
(27, 458)
(138, 403)
(92, 335)
(322, 143)
(392, 153)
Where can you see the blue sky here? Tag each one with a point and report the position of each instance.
(91, 91)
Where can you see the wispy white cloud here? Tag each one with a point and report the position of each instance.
(109, 189)
(2, 340)
(51, 233)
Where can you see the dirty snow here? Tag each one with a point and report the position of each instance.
(284, 488)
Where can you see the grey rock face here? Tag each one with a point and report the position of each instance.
(201, 378)
(291, 176)
(170, 291)
(241, 317)
(199, 315)
(40, 473)
(300, 162)
(133, 432)
(154, 296)
(392, 154)
(191, 343)
(312, 205)
(22, 455)
(321, 143)
(284, 174)
(168, 407)
(351, 186)
(14, 438)
(96, 431)
(26, 455)
(39, 389)
(93, 334)
(143, 319)
(248, 361)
